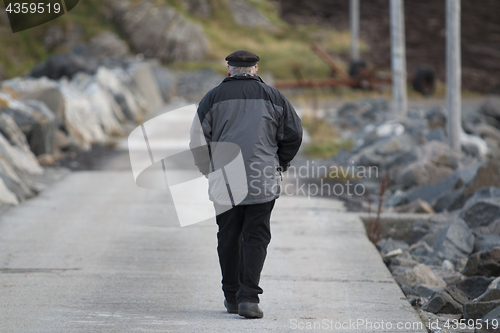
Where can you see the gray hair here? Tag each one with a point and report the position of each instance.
(233, 70)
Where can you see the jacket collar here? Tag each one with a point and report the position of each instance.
(242, 77)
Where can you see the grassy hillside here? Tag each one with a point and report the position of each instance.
(279, 49)
(22, 50)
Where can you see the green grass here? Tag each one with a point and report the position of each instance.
(279, 49)
(21, 51)
(324, 139)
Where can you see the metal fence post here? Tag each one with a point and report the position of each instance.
(354, 25)
(453, 74)
(398, 57)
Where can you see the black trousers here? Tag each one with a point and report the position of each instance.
(243, 237)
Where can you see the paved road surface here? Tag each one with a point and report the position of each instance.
(95, 253)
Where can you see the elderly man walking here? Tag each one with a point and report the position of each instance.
(244, 111)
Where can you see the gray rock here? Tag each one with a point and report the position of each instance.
(43, 90)
(494, 227)
(486, 242)
(437, 223)
(437, 134)
(142, 74)
(107, 44)
(417, 206)
(449, 201)
(493, 318)
(471, 149)
(398, 270)
(425, 291)
(387, 245)
(201, 8)
(474, 286)
(491, 107)
(61, 140)
(449, 276)
(468, 140)
(35, 120)
(418, 229)
(487, 131)
(349, 115)
(119, 83)
(387, 153)
(404, 260)
(477, 310)
(408, 291)
(486, 176)
(102, 103)
(194, 85)
(455, 241)
(245, 14)
(11, 131)
(449, 301)
(81, 123)
(389, 129)
(368, 158)
(448, 265)
(166, 81)
(440, 154)
(417, 300)
(420, 251)
(394, 146)
(492, 293)
(436, 117)
(417, 128)
(372, 155)
(15, 165)
(20, 159)
(481, 212)
(14, 183)
(64, 65)
(160, 31)
(420, 275)
(486, 263)
(357, 114)
(486, 193)
(422, 172)
(41, 138)
(7, 197)
(457, 180)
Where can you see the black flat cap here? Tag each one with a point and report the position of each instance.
(242, 58)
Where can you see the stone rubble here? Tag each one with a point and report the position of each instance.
(43, 119)
(448, 262)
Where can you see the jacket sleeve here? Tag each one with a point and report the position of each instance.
(289, 135)
(201, 136)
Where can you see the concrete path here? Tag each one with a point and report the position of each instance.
(96, 253)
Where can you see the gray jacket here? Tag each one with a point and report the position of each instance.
(243, 132)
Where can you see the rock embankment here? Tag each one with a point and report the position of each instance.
(448, 264)
(423, 174)
(41, 119)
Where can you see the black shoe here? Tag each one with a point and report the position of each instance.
(249, 310)
(231, 307)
